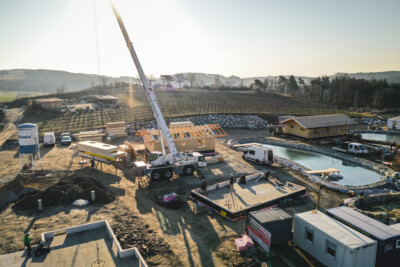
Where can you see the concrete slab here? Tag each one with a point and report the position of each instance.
(251, 193)
(88, 248)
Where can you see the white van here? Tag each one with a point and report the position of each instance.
(49, 139)
(259, 154)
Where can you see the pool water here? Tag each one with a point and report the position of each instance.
(352, 174)
(380, 137)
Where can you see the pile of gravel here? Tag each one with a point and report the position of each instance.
(67, 191)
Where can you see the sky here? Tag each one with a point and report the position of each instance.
(246, 38)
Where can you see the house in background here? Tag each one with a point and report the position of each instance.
(107, 100)
(393, 123)
(322, 126)
(50, 103)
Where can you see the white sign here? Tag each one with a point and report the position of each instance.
(259, 234)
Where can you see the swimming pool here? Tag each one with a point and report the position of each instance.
(352, 174)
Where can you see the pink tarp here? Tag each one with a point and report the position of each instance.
(170, 197)
(248, 241)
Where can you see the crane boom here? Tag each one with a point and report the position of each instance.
(149, 91)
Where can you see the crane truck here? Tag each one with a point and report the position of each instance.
(161, 165)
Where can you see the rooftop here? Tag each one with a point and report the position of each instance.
(363, 222)
(79, 249)
(334, 228)
(106, 97)
(47, 100)
(310, 122)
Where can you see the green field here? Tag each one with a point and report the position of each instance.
(7, 96)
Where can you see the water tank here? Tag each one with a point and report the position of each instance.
(28, 138)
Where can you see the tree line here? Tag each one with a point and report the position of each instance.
(342, 91)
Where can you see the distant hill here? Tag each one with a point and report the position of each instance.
(47, 81)
(390, 76)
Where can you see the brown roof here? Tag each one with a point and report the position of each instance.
(43, 100)
(310, 122)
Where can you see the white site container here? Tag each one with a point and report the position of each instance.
(333, 243)
(393, 123)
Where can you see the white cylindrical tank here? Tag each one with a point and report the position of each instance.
(28, 136)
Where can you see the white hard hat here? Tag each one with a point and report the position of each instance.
(29, 233)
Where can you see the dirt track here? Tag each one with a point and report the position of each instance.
(195, 240)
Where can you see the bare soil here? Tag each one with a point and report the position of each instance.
(166, 237)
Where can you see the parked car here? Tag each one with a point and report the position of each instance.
(49, 139)
(66, 140)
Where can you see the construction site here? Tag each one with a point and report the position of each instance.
(110, 182)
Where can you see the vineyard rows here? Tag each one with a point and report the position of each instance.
(178, 104)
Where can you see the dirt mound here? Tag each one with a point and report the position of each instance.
(132, 233)
(67, 191)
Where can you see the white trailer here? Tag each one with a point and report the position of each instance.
(259, 154)
(331, 242)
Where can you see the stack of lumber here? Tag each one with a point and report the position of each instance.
(116, 129)
(129, 149)
(96, 136)
(97, 150)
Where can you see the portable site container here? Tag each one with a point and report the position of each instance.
(275, 220)
(331, 242)
(388, 238)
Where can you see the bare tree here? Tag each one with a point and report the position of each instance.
(191, 77)
(60, 89)
(139, 80)
(167, 79)
(150, 78)
(217, 81)
(180, 78)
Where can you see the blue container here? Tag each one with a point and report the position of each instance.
(388, 238)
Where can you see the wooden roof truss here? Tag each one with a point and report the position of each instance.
(185, 133)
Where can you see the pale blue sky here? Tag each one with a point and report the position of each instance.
(230, 37)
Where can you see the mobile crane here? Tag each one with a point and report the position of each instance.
(161, 165)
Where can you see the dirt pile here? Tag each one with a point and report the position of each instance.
(131, 233)
(65, 192)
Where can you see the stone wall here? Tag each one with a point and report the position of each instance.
(226, 121)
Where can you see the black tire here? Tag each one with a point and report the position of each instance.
(168, 174)
(156, 175)
(188, 170)
(257, 162)
(243, 157)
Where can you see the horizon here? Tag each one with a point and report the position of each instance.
(230, 38)
(226, 76)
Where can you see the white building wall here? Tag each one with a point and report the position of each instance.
(344, 256)
(395, 122)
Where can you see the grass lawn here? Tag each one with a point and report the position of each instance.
(7, 97)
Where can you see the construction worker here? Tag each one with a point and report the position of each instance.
(231, 182)
(204, 187)
(92, 164)
(27, 242)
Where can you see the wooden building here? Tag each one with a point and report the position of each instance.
(107, 100)
(50, 103)
(187, 137)
(322, 126)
